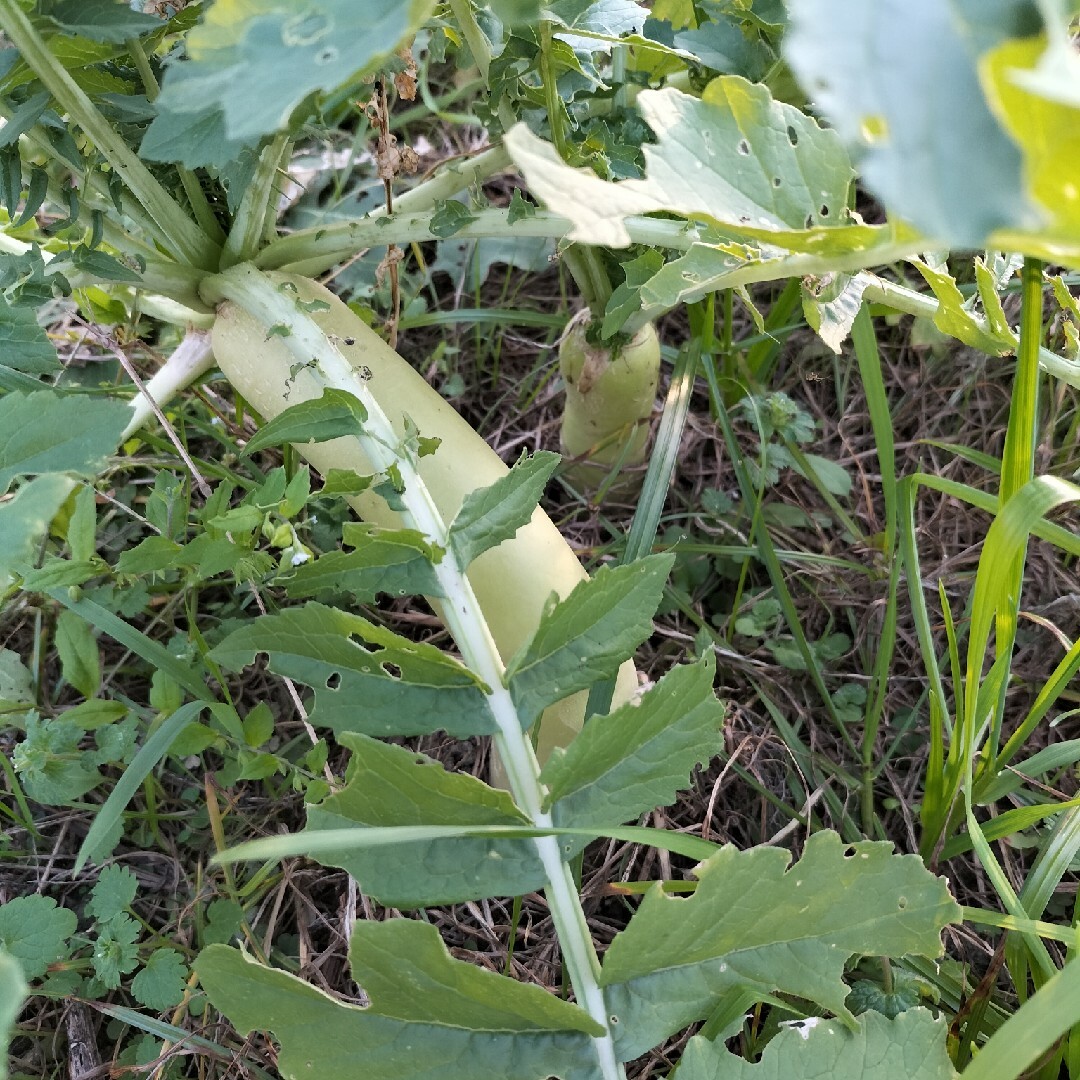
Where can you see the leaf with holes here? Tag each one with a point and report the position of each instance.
(365, 677)
(734, 157)
(760, 922)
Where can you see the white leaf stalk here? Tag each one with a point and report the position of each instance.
(272, 306)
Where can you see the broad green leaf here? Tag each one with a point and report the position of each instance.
(381, 684)
(390, 786)
(1046, 130)
(13, 991)
(431, 1017)
(25, 519)
(80, 662)
(611, 18)
(35, 932)
(162, 982)
(24, 345)
(735, 156)
(956, 318)
(397, 562)
(53, 768)
(193, 140)
(256, 60)
(334, 414)
(16, 681)
(111, 21)
(490, 515)
(640, 756)
(586, 637)
(48, 432)
(911, 1047)
(898, 80)
(149, 754)
(757, 922)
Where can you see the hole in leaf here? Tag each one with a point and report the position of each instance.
(744, 220)
(824, 210)
(326, 56)
(849, 852)
(392, 670)
(333, 682)
(901, 902)
(305, 29)
(613, 1019)
(793, 136)
(743, 147)
(776, 181)
(809, 221)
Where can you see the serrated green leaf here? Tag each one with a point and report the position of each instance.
(80, 661)
(35, 932)
(867, 996)
(111, 21)
(640, 756)
(152, 555)
(912, 1046)
(47, 432)
(113, 893)
(389, 786)
(161, 983)
(115, 951)
(52, 768)
(757, 922)
(735, 156)
(380, 685)
(223, 919)
(430, 1015)
(24, 344)
(258, 59)
(13, 991)
(586, 637)
(492, 514)
(914, 115)
(397, 562)
(331, 416)
(450, 217)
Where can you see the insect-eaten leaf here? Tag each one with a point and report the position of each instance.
(430, 1015)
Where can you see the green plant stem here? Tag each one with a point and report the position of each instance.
(248, 288)
(181, 234)
(1018, 466)
(249, 226)
(474, 36)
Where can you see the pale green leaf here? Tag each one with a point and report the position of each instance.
(431, 1017)
(955, 315)
(1046, 130)
(25, 518)
(397, 562)
(331, 416)
(390, 786)
(586, 637)
(830, 305)
(381, 684)
(35, 932)
(13, 990)
(16, 680)
(49, 432)
(911, 1047)
(492, 514)
(758, 922)
(111, 21)
(735, 156)
(899, 82)
(80, 662)
(832, 476)
(256, 60)
(52, 767)
(161, 983)
(640, 756)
